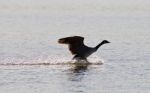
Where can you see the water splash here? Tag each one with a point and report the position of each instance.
(50, 60)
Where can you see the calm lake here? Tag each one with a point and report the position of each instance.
(31, 60)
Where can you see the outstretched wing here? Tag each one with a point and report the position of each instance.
(74, 42)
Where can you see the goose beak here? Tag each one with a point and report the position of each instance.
(106, 41)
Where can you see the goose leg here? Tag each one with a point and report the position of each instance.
(78, 58)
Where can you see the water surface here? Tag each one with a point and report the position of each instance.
(31, 60)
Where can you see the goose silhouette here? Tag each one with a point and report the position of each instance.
(77, 47)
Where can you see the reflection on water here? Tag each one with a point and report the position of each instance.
(80, 78)
(80, 68)
(76, 78)
(77, 72)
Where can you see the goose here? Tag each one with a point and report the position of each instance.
(77, 47)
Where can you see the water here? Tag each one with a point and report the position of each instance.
(31, 60)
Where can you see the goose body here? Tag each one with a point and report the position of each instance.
(77, 47)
